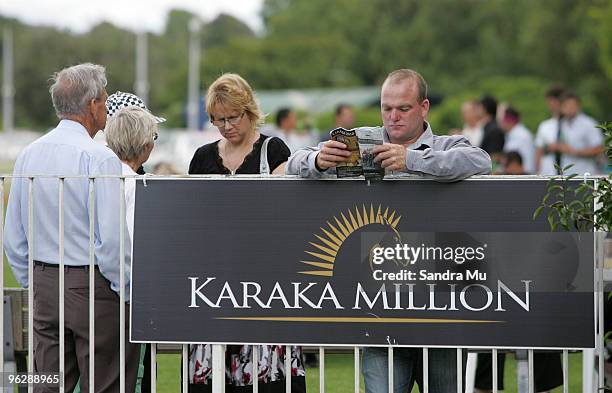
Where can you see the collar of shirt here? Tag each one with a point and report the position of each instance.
(424, 141)
(72, 125)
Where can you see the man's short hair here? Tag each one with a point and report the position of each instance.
(512, 114)
(514, 157)
(129, 131)
(281, 115)
(405, 73)
(555, 91)
(341, 107)
(75, 86)
(489, 103)
(570, 95)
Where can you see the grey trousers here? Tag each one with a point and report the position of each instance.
(76, 333)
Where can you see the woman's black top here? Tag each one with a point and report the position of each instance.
(207, 161)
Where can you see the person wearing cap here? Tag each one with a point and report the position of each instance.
(78, 94)
(131, 131)
(120, 100)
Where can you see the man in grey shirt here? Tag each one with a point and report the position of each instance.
(410, 148)
(410, 145)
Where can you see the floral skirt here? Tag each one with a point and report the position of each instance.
(239, 364)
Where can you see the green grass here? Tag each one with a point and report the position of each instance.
(339, 375)
(9, 279)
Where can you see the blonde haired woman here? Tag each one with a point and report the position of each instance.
(243, 150)
(231, 106)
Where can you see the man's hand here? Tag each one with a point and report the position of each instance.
(331, 154)
(390, 156)
(561, 148)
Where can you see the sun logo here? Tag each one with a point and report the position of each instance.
(331, 239)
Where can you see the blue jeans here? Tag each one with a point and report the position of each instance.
(408, 368)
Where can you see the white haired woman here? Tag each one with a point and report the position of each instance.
(131, 133)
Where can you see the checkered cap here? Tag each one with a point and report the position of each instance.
(120, 100)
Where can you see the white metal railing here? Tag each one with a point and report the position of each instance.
(218, 380)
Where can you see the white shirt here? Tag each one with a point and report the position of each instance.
(546, 135)
(67, 150)
(580, 133)
(130, 197)
(519, 139)
(473, 134)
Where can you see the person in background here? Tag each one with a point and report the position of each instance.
(344, 116)
(518, 138)
(493, 136)
(471, 112)
(165, 168)
(233, 110)
(514, 164)
(286, 123)
(581, 142)
(549, 132)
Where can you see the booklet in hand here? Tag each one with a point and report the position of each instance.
(352, 168)
(369, 137)
(360, 142)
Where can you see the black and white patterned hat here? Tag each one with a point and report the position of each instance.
(120, 100)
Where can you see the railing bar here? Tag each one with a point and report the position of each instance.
(390, 368)
(122, 222)
(2, 271)
(218, 368)
(185, 368)
(321, 369)
(62, 322)
(459, 370)
(255, 368)
(92, 296)
(153, 367)
(494, 369)
(530, 378)
(599, 238)
(288, 368)
(356, 359)
(30, 278)
(425, 370)
(565, 371)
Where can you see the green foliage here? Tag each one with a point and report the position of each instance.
(363, 117)
(513, 49)
(584, 207)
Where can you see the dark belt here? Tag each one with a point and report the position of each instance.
(56, 265)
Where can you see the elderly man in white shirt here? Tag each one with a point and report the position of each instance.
(518, 139)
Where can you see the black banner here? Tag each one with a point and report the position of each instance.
(406, 263)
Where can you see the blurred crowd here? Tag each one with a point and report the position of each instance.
(567, 141)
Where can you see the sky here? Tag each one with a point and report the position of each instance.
(135, 15)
